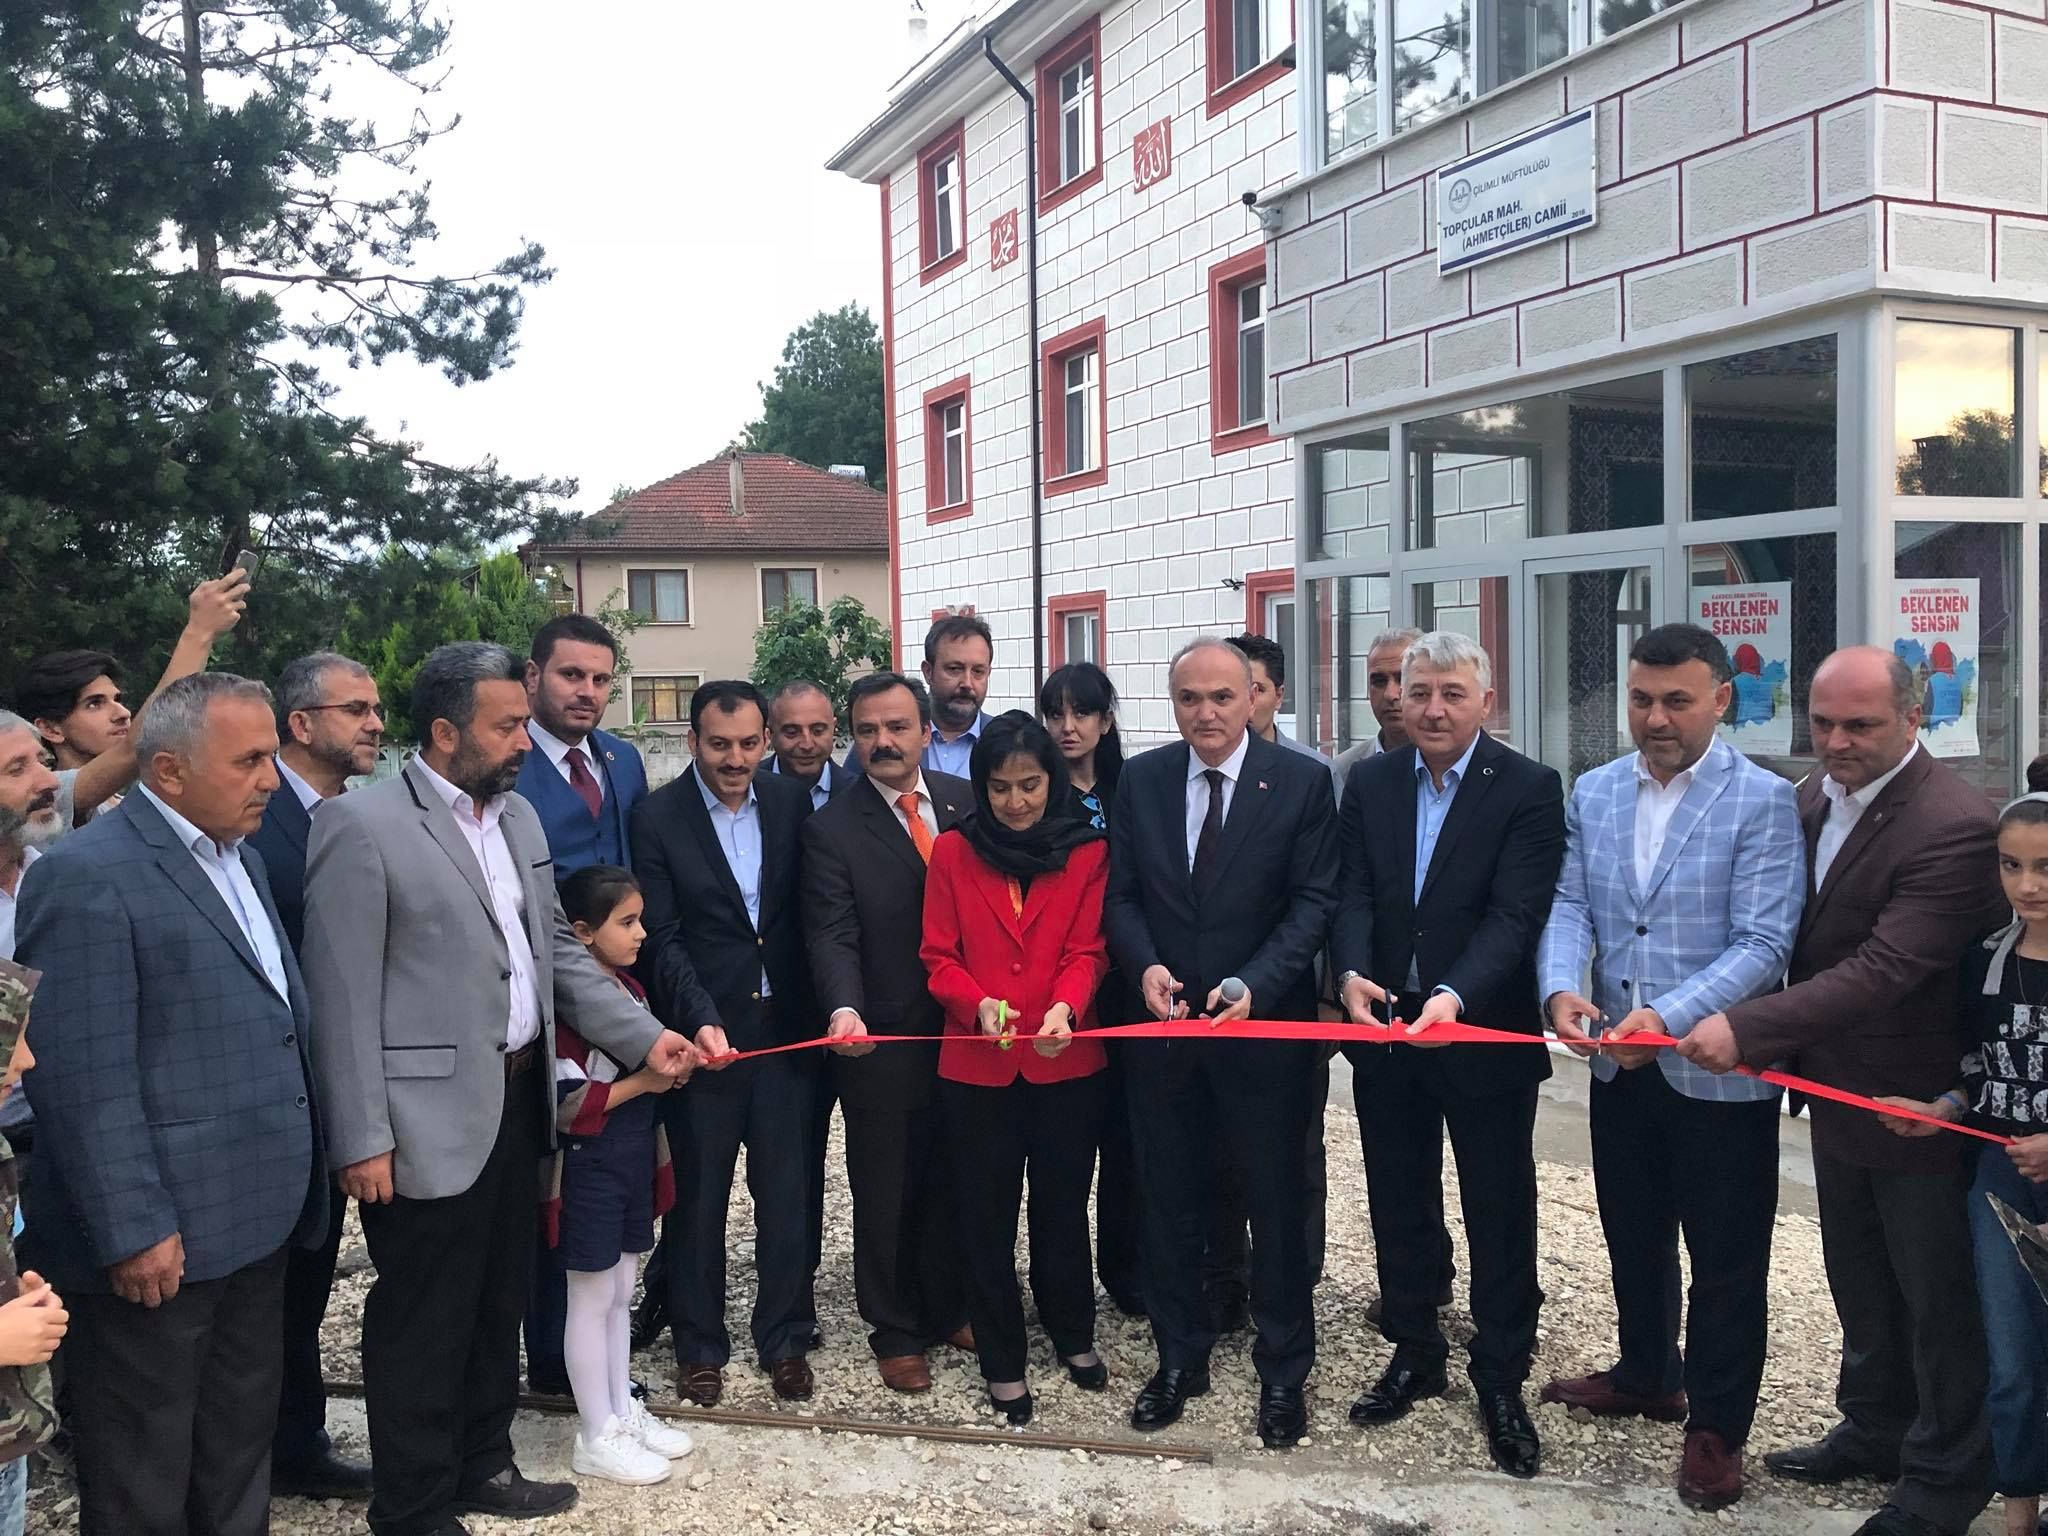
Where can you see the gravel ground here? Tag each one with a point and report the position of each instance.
(1429, 1473)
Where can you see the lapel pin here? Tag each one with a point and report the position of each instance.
(611, 757)
(1262, 783)
(1486, 773)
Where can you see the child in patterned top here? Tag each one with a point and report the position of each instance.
(611, 1179)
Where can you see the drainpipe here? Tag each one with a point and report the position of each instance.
(988, 48)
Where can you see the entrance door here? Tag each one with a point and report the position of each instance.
(1582, 621)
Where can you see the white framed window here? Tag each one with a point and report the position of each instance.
(1258, 31)
(1076, 119)
(662, 596)
(1081, 637)
(1082, 404)
(953, 451)
(948, 232)
(1251, 354)
(783, 585)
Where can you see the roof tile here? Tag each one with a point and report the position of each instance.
(789, 506)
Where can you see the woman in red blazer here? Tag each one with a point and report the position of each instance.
(1013, 942)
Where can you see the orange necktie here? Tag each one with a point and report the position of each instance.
(920, 834)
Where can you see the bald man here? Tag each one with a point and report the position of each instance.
(1902, 876)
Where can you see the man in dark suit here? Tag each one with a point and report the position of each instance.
(178, 1149)
(1451, 851)
(330, 724)
(864, 859)
(724, 964)
(1903, 876)
(583, 783)
(1223, 866)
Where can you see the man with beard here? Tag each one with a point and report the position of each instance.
(801, 730)
(329, 725)
(959, 650)
(28, 817)
(439, 960)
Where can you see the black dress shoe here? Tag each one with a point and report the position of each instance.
(815, 1341)
(1510, 1436)
(450, 1528)
(541, 1384)
(1165, 1395)
(330, 1477)
(1832, 1460)
(1891, 1520)
(649, 1319)
(1399, 1388)
(1089, 1378)
(512, 1496)
(1283, 1417)
(1016, 1409)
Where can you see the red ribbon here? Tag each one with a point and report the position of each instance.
(1449, 1033)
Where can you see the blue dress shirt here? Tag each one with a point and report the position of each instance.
(1432, 806)
(739, 834)
(951, 756)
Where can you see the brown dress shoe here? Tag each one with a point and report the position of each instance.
(792, 1378)
(701, 1383)
(905, 1373)
(1710, 1475)
(962, 1337)
(1599, 1396)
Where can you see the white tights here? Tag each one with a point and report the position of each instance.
(595, 1342)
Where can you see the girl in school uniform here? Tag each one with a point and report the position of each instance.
(611, 1179)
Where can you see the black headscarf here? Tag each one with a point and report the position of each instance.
(1042, 847)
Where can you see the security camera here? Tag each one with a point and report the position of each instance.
(1249, 199)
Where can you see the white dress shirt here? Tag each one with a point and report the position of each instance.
(486, 840)
(1198, 789)
(926, 812)
(28, 857)
(1656, 804)
(1844, 811)
(739, 834)
(308, 795)
(557, 751)
(222, 864)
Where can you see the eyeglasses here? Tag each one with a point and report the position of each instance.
(355, 709)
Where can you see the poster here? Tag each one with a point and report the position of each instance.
(1934, 631)
(1755, 623)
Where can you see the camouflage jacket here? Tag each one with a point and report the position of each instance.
(28, 1405)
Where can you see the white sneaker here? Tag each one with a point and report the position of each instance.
(618, 1457)
(661, 1438)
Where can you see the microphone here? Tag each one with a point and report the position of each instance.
(1232, 990)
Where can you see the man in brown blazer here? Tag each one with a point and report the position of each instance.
(1902, 876)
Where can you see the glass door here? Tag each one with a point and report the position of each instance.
(1477, 605)
(1582, 621)
(1279, 623)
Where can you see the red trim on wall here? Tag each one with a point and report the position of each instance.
(930, 263)
(1095, 333)
(1258, 586)
(1226, 280)
(1085, 39)
(962, 390)
(889, 430)
(1219, 35)
(1057, 609)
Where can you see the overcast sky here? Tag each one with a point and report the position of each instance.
(670, 156)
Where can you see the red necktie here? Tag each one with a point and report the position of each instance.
(584, 782)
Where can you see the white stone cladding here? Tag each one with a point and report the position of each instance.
(1756, 157)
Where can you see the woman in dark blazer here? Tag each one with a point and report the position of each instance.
(1013, 942)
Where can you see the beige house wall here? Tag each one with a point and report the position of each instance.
(725, 607)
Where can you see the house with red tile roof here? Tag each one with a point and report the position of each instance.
(706, 555)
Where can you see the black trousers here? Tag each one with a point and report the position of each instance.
(173, 1407)
(1914, 1375)
(824, 1094)
(767, 1107)
(1665, 1164)
(441, 1326)
(906, 1262)
(1254, 1097)
(1226, 1271)
(1048, 1130)
(301, 1437)
(1402, 1117)
(547, 1317)
(1117, 1262)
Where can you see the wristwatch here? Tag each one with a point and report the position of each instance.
(1344, 979)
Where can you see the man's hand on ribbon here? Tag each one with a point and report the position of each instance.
(847, 1035)
(1711, 1044)
(1160, 987)
(1640, 1021)
(1222, 1012)
(1442, 1008)
(1057, 1032)
(1943, 1109)
(673, 1056)
(1569, 1016)
(713, 1048)
(1360, 993)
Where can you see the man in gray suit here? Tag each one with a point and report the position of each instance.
(177, 1148)
(439, 962)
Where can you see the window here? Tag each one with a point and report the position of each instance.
(1351, 76)
(1344, 614)
(1070, 117)
(1351, 503)
(1237, 352)
(1077, 434)
(1955, 409)
(663, 597)
(1763, 430)
(1955, 622)
(942, 203)
(948, 451)
(1432, 59)
(663, 700)
(1248, 48)
(1078, 625)
(783, 585)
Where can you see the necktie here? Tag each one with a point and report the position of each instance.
(584, 782)
(1212, 827)
(920, 834)
(1016, 896)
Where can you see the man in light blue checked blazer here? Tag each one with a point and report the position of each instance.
(1683, 880)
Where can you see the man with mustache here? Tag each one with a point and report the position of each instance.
(330, 724)
(178, 1147)
(1682, 887)
(959, 650)
(439, 960)
(801, 731)
(28, 815)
